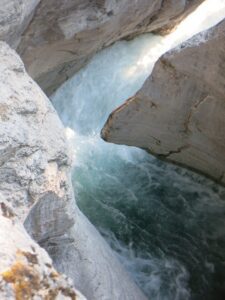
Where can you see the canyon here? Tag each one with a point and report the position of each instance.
(178, 115)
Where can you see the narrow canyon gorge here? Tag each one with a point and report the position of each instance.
(83, 215)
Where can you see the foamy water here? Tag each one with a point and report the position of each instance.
(165, 224)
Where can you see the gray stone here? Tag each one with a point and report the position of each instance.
(14, 18)
(35, 171)
(26, 270)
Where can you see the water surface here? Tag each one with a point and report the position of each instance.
(166, 224)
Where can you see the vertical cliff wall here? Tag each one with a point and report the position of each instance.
(35, 180)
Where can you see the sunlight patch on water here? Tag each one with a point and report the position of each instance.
(208, 14)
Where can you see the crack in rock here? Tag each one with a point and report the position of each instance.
(193, 109)
(178, 150)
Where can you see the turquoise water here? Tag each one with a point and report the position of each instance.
(165, 224)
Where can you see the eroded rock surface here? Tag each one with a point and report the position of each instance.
(34, 158)
(14, 18)
(56, 38)
(35, 180)
(179, 113)
(26, 271)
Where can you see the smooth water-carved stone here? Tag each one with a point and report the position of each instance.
(179, 113)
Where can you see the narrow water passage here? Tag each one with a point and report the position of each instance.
(166, 225)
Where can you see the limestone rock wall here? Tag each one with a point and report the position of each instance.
(35, 181)
(179, 113)
(56, 38)
(34, 156)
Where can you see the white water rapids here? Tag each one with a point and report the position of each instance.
(166, 225)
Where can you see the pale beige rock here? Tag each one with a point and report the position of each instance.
(63, 35)
(35, 180)
(179, 113)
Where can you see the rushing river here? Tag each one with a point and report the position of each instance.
(166, 224)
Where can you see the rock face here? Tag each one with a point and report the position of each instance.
(14, 18)
(56, 38)
(35, 180)
(26, 271)
(179, 113)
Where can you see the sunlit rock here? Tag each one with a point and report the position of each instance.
(178, 114)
